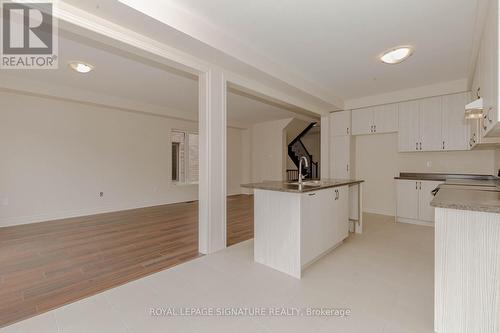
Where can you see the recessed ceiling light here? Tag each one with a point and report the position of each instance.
(396, 55)
(81, 67)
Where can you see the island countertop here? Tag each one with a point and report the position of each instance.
(473, 198)
(284, 186)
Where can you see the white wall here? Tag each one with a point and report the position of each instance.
(238, 152)
(56, 156)
(269, 150)
(378, 162)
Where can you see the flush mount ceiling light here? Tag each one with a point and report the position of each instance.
(81, 67)
(396, 55)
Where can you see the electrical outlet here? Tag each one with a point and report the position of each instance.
(101, 194)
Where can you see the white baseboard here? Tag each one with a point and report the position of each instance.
(64, 214)
(412, 221)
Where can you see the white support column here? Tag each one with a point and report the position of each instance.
(212, 185)
(325, 147)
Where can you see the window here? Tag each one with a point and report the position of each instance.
(185, 164)
(175, 161)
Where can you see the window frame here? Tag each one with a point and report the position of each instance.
(186, 180)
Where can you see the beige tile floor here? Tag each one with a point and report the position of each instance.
(384, 276)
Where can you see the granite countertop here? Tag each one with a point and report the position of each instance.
(282, 186)
(468, 198)
(442, 176)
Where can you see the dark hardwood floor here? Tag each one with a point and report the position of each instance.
(46, 265)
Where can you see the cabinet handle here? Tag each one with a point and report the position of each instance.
(416, 145)
(443, 145)
(420, 145)
(311, 194)
(488, 114)
(416, 185)
(347, 167)
(375, 128)
(347, 130)
(420, 185)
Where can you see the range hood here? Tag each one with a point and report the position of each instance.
(474, 110)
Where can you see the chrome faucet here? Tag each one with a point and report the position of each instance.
(306, 162)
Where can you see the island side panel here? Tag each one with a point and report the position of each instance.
(467, 271)
(277, 231)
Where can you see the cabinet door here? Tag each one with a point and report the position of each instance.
(408, 135)
(319, 231)
(385, 118)
(425, 210)
(489, 69)
(475, 132)
(407, 199)
(431, 124)
(455, 127)
(342, 212)
(340, 123)
(340, 157)
(362, 121)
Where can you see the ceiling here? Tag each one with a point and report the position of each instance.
(336, 43)
(291, 89)
(133, 79)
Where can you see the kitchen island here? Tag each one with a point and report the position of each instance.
(467, 256)
(295, 225)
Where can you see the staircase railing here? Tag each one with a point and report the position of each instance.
(297, 149)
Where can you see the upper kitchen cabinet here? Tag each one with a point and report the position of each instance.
(385, 118)
(487, 75)
(340, 123)
(377, 119)
(456, 129)
(362, 121)
(430, 124)
(409, 126)
(434, 124)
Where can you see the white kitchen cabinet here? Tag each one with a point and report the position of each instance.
(377, 119)
(430, 124)
(456, 128)
(362, 121)
(413, 201)
(326, 221)
(319, 209)
(342, 212)
(425, 210)
(340, 156)
(488, 81)
(340, 123)
(385, 118)
(407, 199)
(434, 124)
(409, 123)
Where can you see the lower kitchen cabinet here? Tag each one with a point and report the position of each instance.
(342, 212)
(413, 201)
(325, 216)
